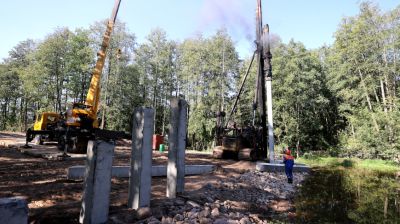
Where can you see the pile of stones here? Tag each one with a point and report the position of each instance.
(252, 197)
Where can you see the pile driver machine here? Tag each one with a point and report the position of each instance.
(250, 143)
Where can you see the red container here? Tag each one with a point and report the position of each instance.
(157, 140)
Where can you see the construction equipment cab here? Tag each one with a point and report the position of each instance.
(46, 121)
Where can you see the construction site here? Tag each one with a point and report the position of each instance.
(69, 169)
(232, 191)
(142, 143)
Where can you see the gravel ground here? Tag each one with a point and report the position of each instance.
(251, 197)
(233, 193)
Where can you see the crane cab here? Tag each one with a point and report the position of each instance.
(46, 121)
(45, 124)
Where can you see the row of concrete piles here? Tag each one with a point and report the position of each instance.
(99, 170)
(95, 199)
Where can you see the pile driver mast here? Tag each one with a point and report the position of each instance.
(251, 142)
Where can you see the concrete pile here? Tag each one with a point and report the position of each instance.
(98, 169)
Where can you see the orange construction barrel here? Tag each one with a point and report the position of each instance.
(157, 141)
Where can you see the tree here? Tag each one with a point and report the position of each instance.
(207, 72)
(9, 83)
(79, 63)
(18, 62)
(156, 60)
(362, 65)
(303, 112)
(119, 55)
(129, 98)
(49, 69)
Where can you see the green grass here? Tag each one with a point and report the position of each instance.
(368, 164)
(379, 165)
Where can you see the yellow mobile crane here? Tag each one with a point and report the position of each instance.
(80, 123)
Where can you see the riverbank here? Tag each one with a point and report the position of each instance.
(370, 164)
(349, 191)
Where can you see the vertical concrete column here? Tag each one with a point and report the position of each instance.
(13, 210)
(141, 155)
(176, 149)
(97, 186)
(271, 140)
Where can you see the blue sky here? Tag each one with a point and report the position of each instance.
(312, 22)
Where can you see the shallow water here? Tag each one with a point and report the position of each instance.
(348, 195)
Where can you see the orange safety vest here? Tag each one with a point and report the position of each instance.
(288, 157)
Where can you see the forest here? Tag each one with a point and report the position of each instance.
(340, 99)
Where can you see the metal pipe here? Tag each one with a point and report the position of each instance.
(267, 56)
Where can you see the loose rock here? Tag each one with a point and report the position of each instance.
(143, 213)
(231, 200)
(215, 212)
(193, 204)
(178, 217)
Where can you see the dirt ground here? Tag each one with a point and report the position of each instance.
(52, 198)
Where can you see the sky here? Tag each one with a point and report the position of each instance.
(312, 22)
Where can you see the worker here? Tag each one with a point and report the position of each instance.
(288, 160)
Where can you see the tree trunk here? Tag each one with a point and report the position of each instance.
(105, 103)
(377, 98)
(26, 114)
(21, 114)
(66, 97)
(368, 100)
(155, 99)
(383, 96)
(155, 108)
(58, 88)
(385, 207)
(298, 130)
(393, 103)
(163, 119)
(83, 88)
(385, 87)
(5, 113)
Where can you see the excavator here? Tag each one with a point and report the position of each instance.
(250, 142)
(79, 123)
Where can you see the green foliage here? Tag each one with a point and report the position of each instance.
(244, 113)
(9, 81)
(78, 65)
(362, 74)
(208, 69)
(122, 114)
(304, 108)
(156, 60)
(341, 100)
(119, 56)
